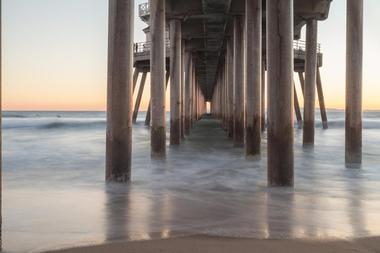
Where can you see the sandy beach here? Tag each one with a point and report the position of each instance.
(195, 244)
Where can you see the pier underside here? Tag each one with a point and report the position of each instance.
(208, 24)
(241, 57)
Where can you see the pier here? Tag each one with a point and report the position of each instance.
(227, 54)
(237, 57)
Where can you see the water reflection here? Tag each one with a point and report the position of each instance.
(136, 214)
(280, 213)
(356, 197)
(117, 208)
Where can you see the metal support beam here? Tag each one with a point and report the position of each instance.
(119, 90)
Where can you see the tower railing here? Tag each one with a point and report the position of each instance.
(144, 47)
(144, 9)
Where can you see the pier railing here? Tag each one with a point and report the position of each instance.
(144, 9)
(144, 47)
(298, 45)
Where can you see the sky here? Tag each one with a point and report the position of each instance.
(55, 54)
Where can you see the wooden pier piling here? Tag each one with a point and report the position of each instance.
(230, 83)
(148, 112)
(297, 109)
(239, 81)
(188, 77)
(119, 91)
(157, 70)
(139, 96)
(280, 92)
(263, 98)
(354, 68)
(176, 80)
(310, 81)
(302, 82)
(135, 77)
(191, 94)
(321, 100)
(253, 77)
(183, 89)
(1, 145)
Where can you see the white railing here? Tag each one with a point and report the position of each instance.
(144, 9)
(144, 47)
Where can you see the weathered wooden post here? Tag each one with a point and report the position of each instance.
(297, 109)
(302, 82)
(230, 83)
(310, 81)
(253, 73)
(239, 81)
(188, 77)
(196, 90)
(183, 89)
(280, 92)
(263, 98)
(194, 109)
(321, 100)
(176, 80)
(192, 96)
(135, 77)
(354, 67)
(139, 96)
(227, 113)
(119, 90)
(157, 83)
(222, 96)
(1, 146)
(148, 112)
(225, 73)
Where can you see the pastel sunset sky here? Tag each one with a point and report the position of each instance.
(55, 54)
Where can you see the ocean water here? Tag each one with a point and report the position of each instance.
(55, 196)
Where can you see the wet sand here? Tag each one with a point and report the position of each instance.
(202, 244)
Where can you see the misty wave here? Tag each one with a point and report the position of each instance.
(13, 116)
(340, 123)
(52, 125)
(93, 120)
(79, 124)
